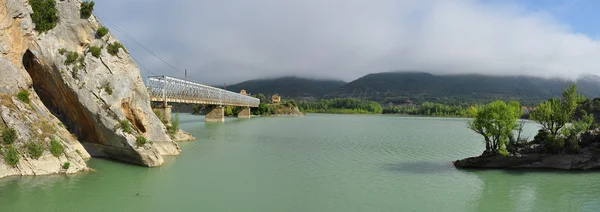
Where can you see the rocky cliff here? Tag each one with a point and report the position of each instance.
(94, 102)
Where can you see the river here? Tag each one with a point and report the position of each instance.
(311, 163)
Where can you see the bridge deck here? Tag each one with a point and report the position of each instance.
(171, 89)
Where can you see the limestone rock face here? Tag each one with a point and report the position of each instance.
(94, 98)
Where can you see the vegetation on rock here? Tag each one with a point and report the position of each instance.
(172, 130)
(66, 165)
(86, 9)
(23, 96)
(113, 48)
(71, 58)
(102, 31)
(11, 156)
(44, 14)
(62, 51)
(34, 149)
(107, 88)
(96, 51)
(140, 140)
(9, 136)
(125, 126)
(56, 148)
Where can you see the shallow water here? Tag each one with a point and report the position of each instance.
(312, 163)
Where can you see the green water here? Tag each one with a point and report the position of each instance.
(312, 163)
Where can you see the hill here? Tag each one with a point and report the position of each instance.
(289, 87)
(418, 87)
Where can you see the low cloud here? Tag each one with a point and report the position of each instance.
(228, 41)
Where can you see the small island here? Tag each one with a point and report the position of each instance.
(569, 137)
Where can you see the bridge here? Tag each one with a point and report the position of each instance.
(165, 89)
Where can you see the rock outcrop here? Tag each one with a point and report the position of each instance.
(101, 101)
(532, 161)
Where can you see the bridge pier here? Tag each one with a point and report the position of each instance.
(217, 114)
(245, 113)
(164, 112)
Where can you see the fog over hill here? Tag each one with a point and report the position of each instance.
(418, 87)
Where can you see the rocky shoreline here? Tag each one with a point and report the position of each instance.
(583, 161)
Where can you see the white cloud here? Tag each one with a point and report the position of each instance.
(234, 40)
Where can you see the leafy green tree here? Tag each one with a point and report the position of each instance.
(495, 122)
(555, 113)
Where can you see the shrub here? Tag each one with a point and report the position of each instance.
(107, 88)
(125, 126)
(140, 140)
(66, 165)
(23, 96)
(86, 9)
(9, 136)
(34, 149)
(56, 148)
(74, 73)
(71, 58)
(102, 31)
(113, 48)
(174, 125)
(11, 156)
(95, 51)
(44, 14)
(62, 51)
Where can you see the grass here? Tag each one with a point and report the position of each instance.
(96, 51)
(23, 96)
(56, 148)
(125, 126)
(66, 165)
(11, 156)
(34, 149)
(86, 9)
(140, 140)
(71, 58)
(44, 14)
(9, 136)
(107, 88)
(102, 31)
(113, 48)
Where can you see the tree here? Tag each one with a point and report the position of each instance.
(496, 123)
(554, 114)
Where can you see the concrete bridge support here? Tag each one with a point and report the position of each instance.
(245, 113)
(217, 114)
(164, 113)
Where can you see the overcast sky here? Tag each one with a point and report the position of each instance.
(228, 41)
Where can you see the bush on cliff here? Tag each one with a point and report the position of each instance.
(113, 48)
(140, 141)
(9, 136)
(56, 148)
(102, 31)
(23, 96)
(96, 51)
(86, 9)
(44, 14)
(11, 156)
(35, 149)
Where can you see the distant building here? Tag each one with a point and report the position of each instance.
(243, 92)
(276, 98)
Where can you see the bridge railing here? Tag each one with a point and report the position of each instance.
(171, 89)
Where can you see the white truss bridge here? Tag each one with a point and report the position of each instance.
(170, 89)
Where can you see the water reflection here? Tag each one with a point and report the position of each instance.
(544, 190)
